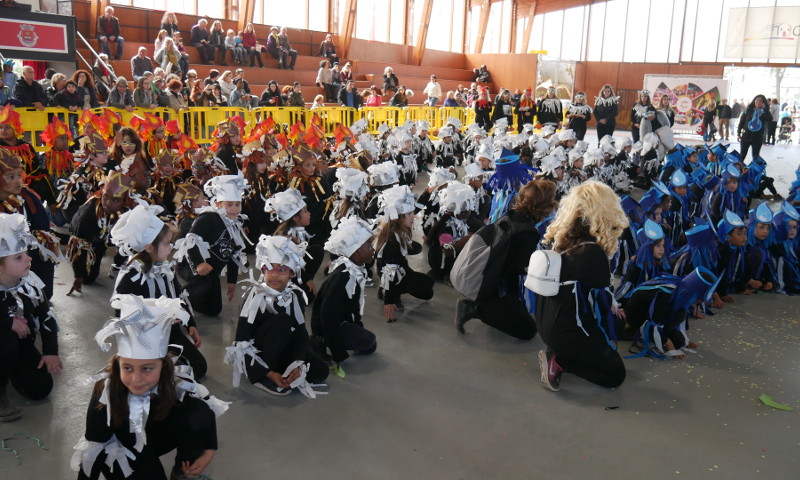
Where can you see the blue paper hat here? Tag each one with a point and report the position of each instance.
(719, 149)
(678, 179)
(508, 156)
(676, 158)
(650, 233)
(761, 214)
(789, 210)
(780, 222)
(702, 156)
(758, 167)
(733, 220)
(732, 157)
(711, 182)
(632, 209)
(700, 284)
(701, 236)
(647, 203)
(729, 222)
(730, 171)
(660, 190)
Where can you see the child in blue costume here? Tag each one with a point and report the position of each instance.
(678, 216)
(732, 236)
(784, 250)
(729, 198)
(648, 263)
(506, 182)
(759, 269)
(628, 243)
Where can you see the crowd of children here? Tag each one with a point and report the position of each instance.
(180, 215)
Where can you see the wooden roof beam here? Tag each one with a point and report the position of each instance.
(526, 37)
(422, 34)
(347, 28)
(483, 23)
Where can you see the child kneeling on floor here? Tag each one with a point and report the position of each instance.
(271, 326)
(336, 320)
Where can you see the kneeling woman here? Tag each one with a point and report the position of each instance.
(142, 407)
(585, 231)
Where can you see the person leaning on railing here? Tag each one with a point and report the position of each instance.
(86, 88)
(120, 96)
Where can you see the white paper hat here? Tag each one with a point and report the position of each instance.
(348, 236)
(527, 128)
(383, 128)
(593, 156)
(486, 150)
(582, 146)
(548, 130)
(606, 140)
(456, 123)
(439, 176)
(137, 228)
(472, 170)
(445, 132)
(382, 174)
(608, 149)
(626, 141)
(396, 201)
(143, 327)
(636, 147)
(567, 134)
(423, 125)
(15, 236)
(541, 146)
(573, 155)
(367, 142)
(549, 165)
(457, 198)
(227, 188)
(559, 153)
(359, 127)
(285, 205)
(400, 136)
(501, 123)
(350, 183)
(280, 250)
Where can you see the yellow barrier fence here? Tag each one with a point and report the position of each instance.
(331, 116)
(429, 114)
(283, 116)
(378, 115)
(200, 122)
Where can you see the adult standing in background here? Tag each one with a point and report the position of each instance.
(327, 49)
(775, 111)
(549, 110)
(606, 107)
(753, 126)
(665, 106)
(724, 112)
(709, 113)
(736, 112)
(390, 81)
(200, 38)
(433, 90)
(525, 110)
(639, 112)
(108, 32)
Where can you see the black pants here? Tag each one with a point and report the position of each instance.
(279, 346)
(254, 54)
(190, 354)
(19, 359)
(94, 272)
(594, 361)
(773, 127)
(44, 270)
(205, 293)
(580, 131)
(508, 315)
(604, 129)
(766, 183)
(190, 429)
(206, 52)
(359, 339)
(416, 284)
(750, 143)
(634, 134)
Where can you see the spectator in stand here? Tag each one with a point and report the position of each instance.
(249, 42)
(399, 99)
(5, 95)
(325, 80)
(212, 77)
(108, 32)
(238, 54)
(239, 97)
(57, 83)
(461, 95)
(483, 75)
(143, 94)
(169, 23)
(515, 97)
(286, 49)
(28, 91)
(86, 88)
(184, 60)
(141, 63)
(271, 97)
(48, 75)
(69, 97)
(336, 75)
(9, 77)
(295, 97)
(226, 83)
(525, 110)
(349, 97)
(390, 81)
(159, 41)
(201, 39)
(319, 101)
(105, 74)
(736, 111)
(174, 95)
(285, 91)
(433, 90)
(273, 46)
(775, 111)
(170, 59)
(724, 112)
(221, 100)
(472, 95)
(246, 87)
(373, 98)
(450, 100)
(217, 40)
(120, 96)
(327, 49)
(347, 73)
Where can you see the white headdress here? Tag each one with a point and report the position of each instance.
(359, 127)
(227, 188)
(501, 123)
(285, 205)
(445, 132)
(439, 176)
(567, 134)
(350, 183)
(548, 130)
(625, 142)
(649, 142)
(456, 123)
(348, 236)
(473, 170)
(367, 142)
(15, 236)
(423, 125)
(143, 327)
(280, 251)
(550, 164)
(573, 155)
(457, 198)
(383, 128)
(382, 174)
(396, 201)
(486, 149)
(541, 146)
(559, 153)
(137, 228)
(582, 146)
(593, 156)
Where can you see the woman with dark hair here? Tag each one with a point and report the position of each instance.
(606, 107)
(399, 99)
(500, 307)
(639, 113)
(86, 87)
(753, 126)
(665, 107)
(503, 108)
(271, 96)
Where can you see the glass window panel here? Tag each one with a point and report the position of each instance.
(661, 18)
(708, 31)
(472, 32)
(416, 15)
(397, 22)
(535, 42)
(151, 4)
(521, 22)
(572, 35)
(457, 37)
(595, 37)
(614, 30)
(439, 30)
(688, 30)
(505, 29)
(636, 30)
(675, 35)
(491, 43)
(318, 15)
(551, 37)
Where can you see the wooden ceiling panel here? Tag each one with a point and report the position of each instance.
(543, 6)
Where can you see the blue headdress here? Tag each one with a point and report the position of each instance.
(701, 245)
(510, 175)
(632, 210)
(676, 158)
(733, 201)
(780, 223)
(648, 236)
(786, 261)
(729, 222)
(794, 189)
(647, 204)
(760, 214)
(700, 284)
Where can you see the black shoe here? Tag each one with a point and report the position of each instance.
(465, 311)
(8, 412)
(269, 386)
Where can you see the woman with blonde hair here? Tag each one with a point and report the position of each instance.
(576, 323)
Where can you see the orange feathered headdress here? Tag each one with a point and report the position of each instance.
(9, 117)
(55, 129)
(172, 127)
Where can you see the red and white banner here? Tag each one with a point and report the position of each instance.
(32, 36)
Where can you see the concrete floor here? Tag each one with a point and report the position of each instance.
(433, 404)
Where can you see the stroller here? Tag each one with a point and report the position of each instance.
(785, 130)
